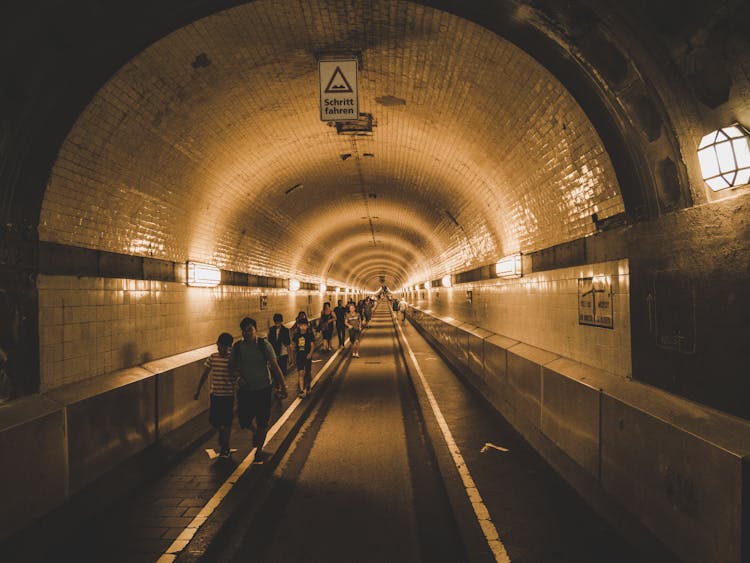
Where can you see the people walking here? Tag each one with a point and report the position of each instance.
(250, 362)
(340, 312)
(402, 306)
(221, 390)
(353, 323)
(367, 308)
(303, 344)
(278, 336)
(325, 325)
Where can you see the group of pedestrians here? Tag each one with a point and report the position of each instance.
(251, 368)
(254, 367)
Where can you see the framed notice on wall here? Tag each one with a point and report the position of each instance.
(263, 302)
(595, 302)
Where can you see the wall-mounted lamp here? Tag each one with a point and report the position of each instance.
(323, 287)
(509, 267)
(447, 281)
(427, 285)
(202, 275)
(294, 285)
(724, 157)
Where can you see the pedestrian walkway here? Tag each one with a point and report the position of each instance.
(142, 527)
(359, 481)
(361, 471)
(537, 516)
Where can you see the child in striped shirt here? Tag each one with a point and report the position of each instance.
(222, 391)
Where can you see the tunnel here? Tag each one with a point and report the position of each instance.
(525, 174)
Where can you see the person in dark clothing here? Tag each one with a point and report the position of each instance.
(250, 362)
(303, 344)
(300, 316)
(340, 312)
(279, 338)
(325, 325)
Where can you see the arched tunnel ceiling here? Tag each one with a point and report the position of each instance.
(188, 152)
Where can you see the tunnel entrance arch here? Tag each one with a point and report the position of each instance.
(586, 50)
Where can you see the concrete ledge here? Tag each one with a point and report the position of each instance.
(461, 344)
(492, 373)
(179, 360)
(475, 352)
(33, 475)
(685, 488)
(523, 391)
(570, 410)
(652, 464)
(108, 419)
(67, 439)
(174, 392)
(176, 379)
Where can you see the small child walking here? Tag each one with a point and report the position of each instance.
(303, 341)
(222, 391)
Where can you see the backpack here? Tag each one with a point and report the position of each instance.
(261, 346)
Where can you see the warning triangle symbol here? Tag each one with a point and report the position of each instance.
(338, 84)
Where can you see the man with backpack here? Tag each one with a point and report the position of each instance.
(250, 362)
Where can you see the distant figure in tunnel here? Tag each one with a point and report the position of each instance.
(353, 323)
(402, 306)
(325, 325)
(303, 343)
(361, 310)
(367, 310)
(250, 362)
(340, 312)
(222, 391)
(278, 336)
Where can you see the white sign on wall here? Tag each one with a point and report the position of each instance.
(595, 302)
(338, 90)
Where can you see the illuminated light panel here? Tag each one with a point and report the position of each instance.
(323, 287)
(509, 267)
(447, 282)
(294, 285)
(724, 156)
(202, 275)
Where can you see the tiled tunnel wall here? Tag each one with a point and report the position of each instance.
(93, 326)
(541, 309)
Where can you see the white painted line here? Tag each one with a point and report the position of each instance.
(488, 445)
(187, 534)
(480, 510)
